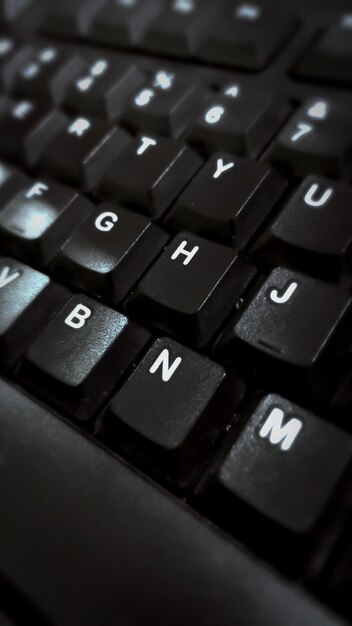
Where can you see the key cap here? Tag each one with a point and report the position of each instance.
(11, 179)
(168, 106)
(313, 231)
(70, 17)
(83, 151)
(37, 220)
(316, 140)
(10, 9)
(246, 36)
(87, 497)
(81, 355)
(47, 74)
(28, 301)
(123, 22)
(330, 58)
(228, 199)
(168, 410)
(13, 55)
(285, 330)
(109, 252)
(293, 463)
(103, 88)
(26, 129)
(191, 288)
(181, 28)
(237, 122)
(150, 173)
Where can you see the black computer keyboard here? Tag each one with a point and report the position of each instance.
(175, 312)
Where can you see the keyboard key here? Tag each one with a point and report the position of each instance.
(36, 222)
(293, 463)
(83, 151)
(79, 358)
(26, 129)
(123, 22)
(191, 288)
(313, 231)
(109, 252)
(316, 140)
(236, 122)
(150, 173)
(87, 504)
(10, 9)
(47, 73)
(11, 180)
(103, 88)
(168, 410)
(246, 36)
(70, 17)
(228, 199)
(330, 58)
(28, 301)
(181, 28)
(13, 55)
(288, 330)
(168, 106)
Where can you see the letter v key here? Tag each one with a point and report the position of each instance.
(6, 277)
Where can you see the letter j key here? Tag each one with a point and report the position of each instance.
(289, 328)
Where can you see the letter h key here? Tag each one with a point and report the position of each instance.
(191, 288)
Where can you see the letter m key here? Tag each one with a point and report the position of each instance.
(278, 433)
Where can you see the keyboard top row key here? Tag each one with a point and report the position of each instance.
(123, 22)
(70, 17)
(237, 34)
(329, 58)
(246, 36)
